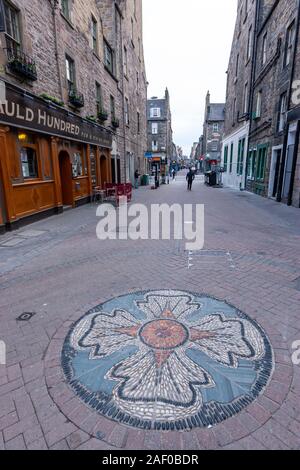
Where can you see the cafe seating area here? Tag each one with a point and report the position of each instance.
(112, 193)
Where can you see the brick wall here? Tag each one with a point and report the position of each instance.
(74, 38)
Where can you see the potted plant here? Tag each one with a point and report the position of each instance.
(102, 115)
(115, 122)
(52, 99)
(76, 98)
(92, 119)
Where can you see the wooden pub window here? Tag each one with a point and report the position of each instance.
(28, 156)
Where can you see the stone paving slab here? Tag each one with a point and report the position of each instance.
(65, 271)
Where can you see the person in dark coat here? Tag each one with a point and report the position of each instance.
(190, 178)
(136, 179)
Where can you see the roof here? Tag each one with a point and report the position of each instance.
(217, 112)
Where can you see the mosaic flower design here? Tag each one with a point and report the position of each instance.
(176, 356)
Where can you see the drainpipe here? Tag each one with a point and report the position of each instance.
(294, 166)
(286, 134)
(54, 5)
(252, 79)
(123, 96)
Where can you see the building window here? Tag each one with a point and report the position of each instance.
(251, 165)
(226, 158)
(241, 153)
(108, 57)
(250, 41)
(216, 127)
(70, 73)
(154, 128)
(29, 163)
(125, 62)
(237, 65)
(98, 98)
(77, 166)
(261, 163)
(154, 146)
(155, 112)
(95, 35)
(12, 27)
(65, 8)
(289, 44)
(126, 112)
(231, 158)
(246, 97)
(264, 49)
(112, 107)
(234, 111)
(282, 112)
(28, 156)
(258, 105)
(138, 118)
(132, 30)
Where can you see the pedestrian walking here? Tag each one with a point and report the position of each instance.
(173, 174)
(190, 178)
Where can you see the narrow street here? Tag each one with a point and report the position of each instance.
(57, 270)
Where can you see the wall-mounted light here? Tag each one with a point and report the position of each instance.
(22, 137)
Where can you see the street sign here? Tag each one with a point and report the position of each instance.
(148, 154)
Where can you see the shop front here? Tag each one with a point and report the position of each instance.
(49, 158)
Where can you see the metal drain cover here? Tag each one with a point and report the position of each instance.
(26, 316)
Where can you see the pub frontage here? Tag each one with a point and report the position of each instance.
(50, 158)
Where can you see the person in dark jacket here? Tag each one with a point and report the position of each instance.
(136, 179)
(190, 178)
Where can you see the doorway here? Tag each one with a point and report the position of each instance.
(66, 178)
(103, 170)
(275, 172)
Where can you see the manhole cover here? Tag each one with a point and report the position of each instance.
(26, 316)
(167, 360)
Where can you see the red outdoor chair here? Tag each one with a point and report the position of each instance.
(120, 192)
(128, 189)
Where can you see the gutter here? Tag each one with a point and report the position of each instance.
(54, 8)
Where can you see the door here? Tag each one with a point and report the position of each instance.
(66, 178)
(103, 171)
(274, 173)
(288, 172)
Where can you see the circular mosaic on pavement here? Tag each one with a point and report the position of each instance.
(167, 360)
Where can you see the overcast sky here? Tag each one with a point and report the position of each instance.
(187, 45)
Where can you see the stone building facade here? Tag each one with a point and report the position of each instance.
(270, 167)
(237, 109)
(273, 76)
(160, 134)
(213, 130)
(82, 63)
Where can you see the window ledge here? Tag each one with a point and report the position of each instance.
(67, 20)
(111, 74)
(96, 55)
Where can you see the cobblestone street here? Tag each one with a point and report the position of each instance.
(58, 270)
